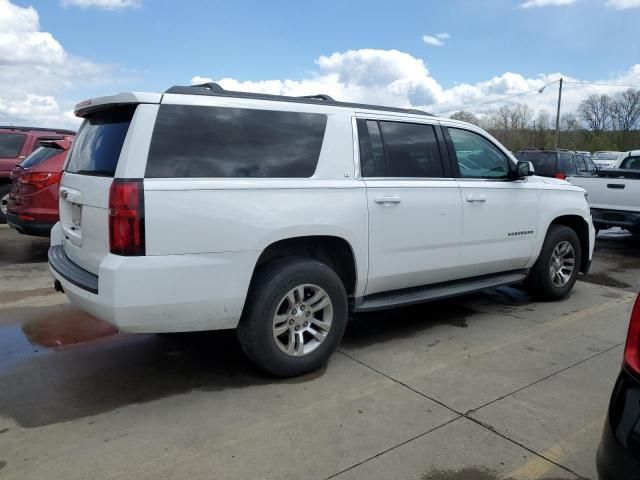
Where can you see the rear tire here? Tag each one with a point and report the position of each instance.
(556, 270)
(4, 202)
(294, 317)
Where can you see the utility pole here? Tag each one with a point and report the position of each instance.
(558, 114)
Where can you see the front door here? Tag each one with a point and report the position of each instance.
(499, 216)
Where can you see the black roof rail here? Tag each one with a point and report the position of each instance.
(215, 89)
(37, 129)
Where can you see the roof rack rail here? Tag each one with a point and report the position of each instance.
(215, 89)
(38, 129)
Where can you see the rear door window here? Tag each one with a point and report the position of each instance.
(39, 156)
(99, 142)
(411, 150)
(217, 142)
(11, 144)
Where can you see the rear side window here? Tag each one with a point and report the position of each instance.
(99, 142)
(216, 142)
(11, 144)
(544, 163)
(566, 164)
(40, 155)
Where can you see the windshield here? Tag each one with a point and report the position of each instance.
(543, 162)
(605, 156)
(10, 144)
(40, 155)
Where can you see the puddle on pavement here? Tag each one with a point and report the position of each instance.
(384, 326)
(474, 473)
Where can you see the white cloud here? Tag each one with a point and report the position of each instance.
(623, 4)
(395, 78)
(103, 4)
(35, 70)
(436, 40)
(546, 3)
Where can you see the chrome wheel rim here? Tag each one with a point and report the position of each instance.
(302, 320)
(563, 261)
(4, 204)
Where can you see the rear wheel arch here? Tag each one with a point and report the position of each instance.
(579, 225)
(335, 252)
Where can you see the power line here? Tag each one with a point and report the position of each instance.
(604, 84)
(501, 99)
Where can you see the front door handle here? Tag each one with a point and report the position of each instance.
(476, 198)
(387, 200)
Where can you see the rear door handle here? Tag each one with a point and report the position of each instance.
(387, 200)
(476, 198)
(615, 185)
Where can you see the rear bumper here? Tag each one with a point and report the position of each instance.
(29, 227)
(160, 293)
(615, 218)
(618, 456)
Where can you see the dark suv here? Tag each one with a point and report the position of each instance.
(561, 164)
(15, 144)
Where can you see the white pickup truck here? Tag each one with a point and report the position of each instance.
(614, 197)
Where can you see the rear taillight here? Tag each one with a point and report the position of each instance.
(126, 217)
(39, 180)
(632, 349)
(560, 176)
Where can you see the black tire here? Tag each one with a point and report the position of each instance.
(539, 281)
(4, 194)
(269, 287)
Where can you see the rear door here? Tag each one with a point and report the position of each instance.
(84, 190)
(414, 205)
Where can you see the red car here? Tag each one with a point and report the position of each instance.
(15, 144)
(32, 207)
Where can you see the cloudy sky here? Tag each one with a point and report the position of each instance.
(432, 54)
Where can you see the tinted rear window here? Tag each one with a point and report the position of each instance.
(40, 155)
(99, 142)
(197, 141)
(545, 163)
(11, 144)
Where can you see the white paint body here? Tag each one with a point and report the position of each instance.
(204, 236)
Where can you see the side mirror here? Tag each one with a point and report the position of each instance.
(524, 169)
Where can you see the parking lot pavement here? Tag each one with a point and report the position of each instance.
(487, 386)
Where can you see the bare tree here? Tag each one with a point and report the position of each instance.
(626, 109)
(466, 117)
(519, 116)
(569, 122)
(503, 117)
(596, 111)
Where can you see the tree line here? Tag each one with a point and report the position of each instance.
(602, 122)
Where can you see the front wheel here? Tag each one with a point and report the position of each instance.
(556, 270)
(294, 318)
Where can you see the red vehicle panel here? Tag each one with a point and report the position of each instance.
(33, 201)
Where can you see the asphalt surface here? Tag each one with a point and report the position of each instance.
(486, 386)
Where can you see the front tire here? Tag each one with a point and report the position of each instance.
(556, 270)
(294, 317)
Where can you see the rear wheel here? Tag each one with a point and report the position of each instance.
(4, 202)
(294, 318)
(556, 270)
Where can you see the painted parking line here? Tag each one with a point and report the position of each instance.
(559, 452)
(515, 338)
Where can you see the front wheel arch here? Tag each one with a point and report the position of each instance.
(579, 225)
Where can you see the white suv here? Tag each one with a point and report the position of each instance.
(204, 209)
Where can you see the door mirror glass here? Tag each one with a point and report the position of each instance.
(524, 169)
